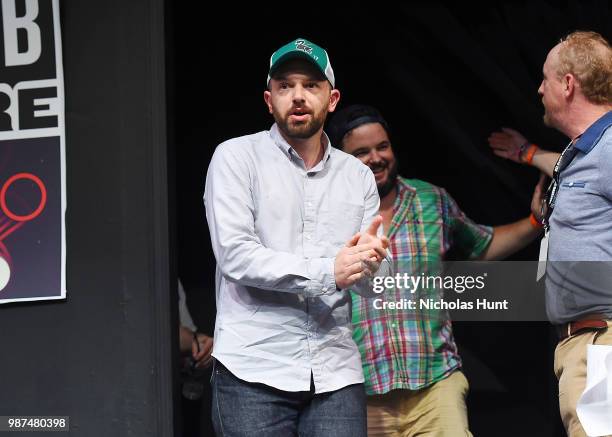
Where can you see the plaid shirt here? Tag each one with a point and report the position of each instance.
(408, 349)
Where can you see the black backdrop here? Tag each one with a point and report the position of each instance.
(444, 76)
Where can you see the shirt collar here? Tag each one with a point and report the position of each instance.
(403, 187)
(593, 134)
(290, 151)
(402, 205)
(279, 140)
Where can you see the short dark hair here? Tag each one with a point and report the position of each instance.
(351, 117)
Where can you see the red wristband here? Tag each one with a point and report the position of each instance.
(535, 222)
(530, 153)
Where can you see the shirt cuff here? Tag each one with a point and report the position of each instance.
(325, 283)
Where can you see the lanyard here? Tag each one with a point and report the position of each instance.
(567, 156)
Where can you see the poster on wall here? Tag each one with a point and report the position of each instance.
(32, 153)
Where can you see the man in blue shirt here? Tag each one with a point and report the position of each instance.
(576, 92)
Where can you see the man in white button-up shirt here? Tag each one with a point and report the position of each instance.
(293, 223)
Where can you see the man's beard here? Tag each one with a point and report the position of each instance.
(386, 187)
(300, 130)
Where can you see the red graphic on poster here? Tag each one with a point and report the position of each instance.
(11, 221)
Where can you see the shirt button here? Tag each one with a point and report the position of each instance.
(571, 184)
(309, 204)
(325, 289)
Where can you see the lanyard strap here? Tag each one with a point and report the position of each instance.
(565, 159)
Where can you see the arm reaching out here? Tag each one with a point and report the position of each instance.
(511, 144)
(512, 237)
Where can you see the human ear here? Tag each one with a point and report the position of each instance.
(268, 100)
(334, 98)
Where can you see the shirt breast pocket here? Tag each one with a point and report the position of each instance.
(341, 222)
(574, 184)
(575, 203)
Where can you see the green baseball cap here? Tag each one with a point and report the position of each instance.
(302, 49)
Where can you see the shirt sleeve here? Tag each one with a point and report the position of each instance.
(465, 236)
(240, 255)
(364, 287)
(184, 315)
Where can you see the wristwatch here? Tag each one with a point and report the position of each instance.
(522, 149)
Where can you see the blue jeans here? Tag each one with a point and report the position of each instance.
(241, 409)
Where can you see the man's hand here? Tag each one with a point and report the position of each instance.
(371, 236)
(507, 144)
(361, 256)
(538, 198)
(201, 350)
(381, 244)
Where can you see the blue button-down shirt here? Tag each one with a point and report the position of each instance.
(276, 228)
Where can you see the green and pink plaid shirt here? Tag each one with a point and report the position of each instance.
(408, 349)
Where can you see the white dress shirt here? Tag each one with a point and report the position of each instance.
(185, 318)
(275, 229)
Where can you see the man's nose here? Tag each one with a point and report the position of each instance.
(374, 156)
(298, 93)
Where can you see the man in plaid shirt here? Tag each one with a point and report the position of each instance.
(409, 357)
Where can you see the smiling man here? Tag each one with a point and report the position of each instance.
(411, 363)
(293, 223)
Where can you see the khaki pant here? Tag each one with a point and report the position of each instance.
(435, 411)
(570, 368)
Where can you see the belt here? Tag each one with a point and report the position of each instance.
(589, 323)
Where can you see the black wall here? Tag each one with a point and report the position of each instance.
(103, 356)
